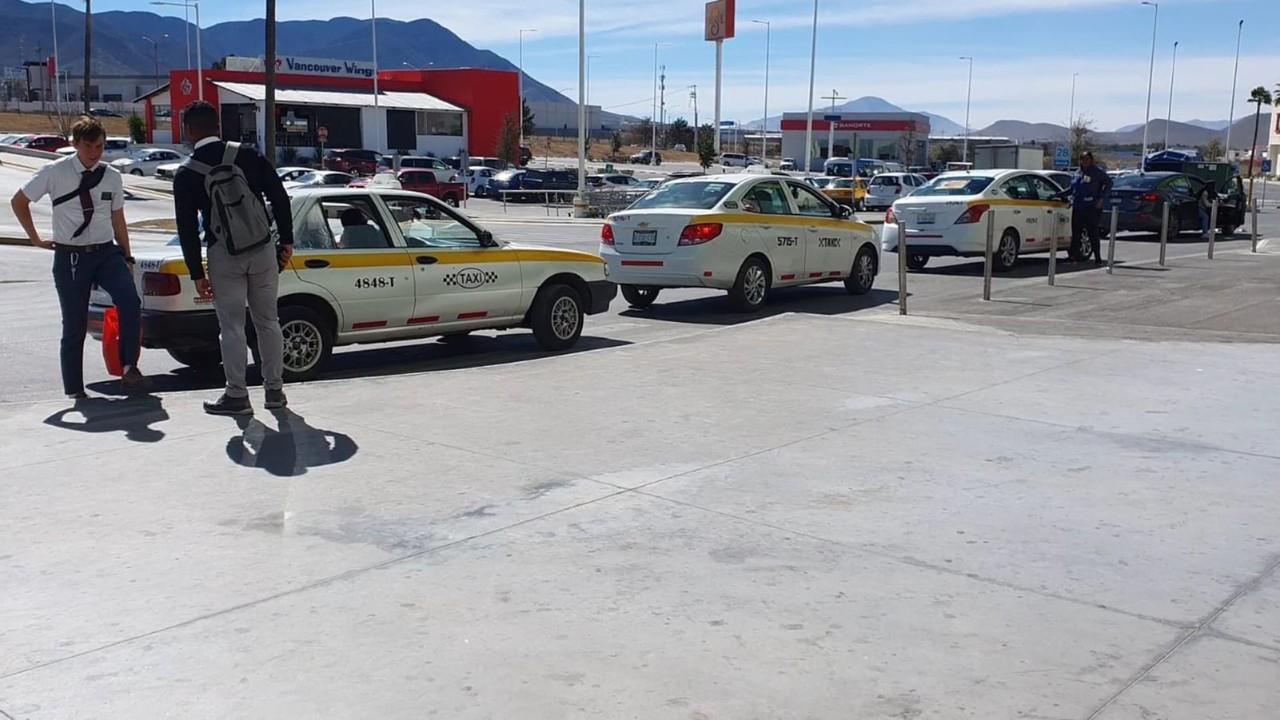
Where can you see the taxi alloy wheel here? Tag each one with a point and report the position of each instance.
(639, 296)
(751, 287)
(308, 342)
(1086, 245)
(863, 276)
(557, 317)
(1007, 253)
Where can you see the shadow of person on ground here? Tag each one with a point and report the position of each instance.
(289, 451)
(132, 415)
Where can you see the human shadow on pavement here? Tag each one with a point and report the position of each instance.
(812, 299)
(292, 449)
(1034, 266)
(132, 416)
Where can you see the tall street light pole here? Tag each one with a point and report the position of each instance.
(1071, 114)
(588, 80)
(1173, 68)
(1151, 73)
(377, 122)
(764, 130)
(155, 56)
(580, 204)
(199, 55)
(1232, 117)
(968, 97)
(88, 50)
(53, 12)
(813, 68)
(521, 82)
(653, 123)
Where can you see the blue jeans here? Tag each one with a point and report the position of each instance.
(1204, 221)
(74, 275)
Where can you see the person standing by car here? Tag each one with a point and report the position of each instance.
(91, 247)
(226, 184)
(1088, 191)
(1204, 203)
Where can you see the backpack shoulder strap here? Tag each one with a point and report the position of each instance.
(191, 163)
(229, 152)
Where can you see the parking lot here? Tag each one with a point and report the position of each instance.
(1057, 504)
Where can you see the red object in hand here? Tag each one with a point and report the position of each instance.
(111, 342)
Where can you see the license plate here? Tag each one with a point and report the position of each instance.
(925, 218)
(644, 237)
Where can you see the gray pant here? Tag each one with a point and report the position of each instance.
(251, 278)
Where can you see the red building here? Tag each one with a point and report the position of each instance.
(442, 112)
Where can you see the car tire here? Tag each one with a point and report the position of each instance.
(917, 262)
(860, 206)
(751, 287)
(557, 317)
(136, 172)
(639, 296)
(198, 360)
(308, 343)
(1005, 255)
(451, 201)
(1175, 227)
(863, 274)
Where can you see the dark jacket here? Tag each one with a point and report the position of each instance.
(191, 202)
(1089, 187)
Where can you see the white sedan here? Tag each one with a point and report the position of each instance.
(745, 233)
(950, 216)
(885, 189)
(144, 161)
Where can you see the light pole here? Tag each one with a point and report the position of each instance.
(580, 204)
(155, 55)
(1071, 114)
(764, 130)
(1173, 68)
(653, 123)
(588, 81)
(53, 12)
(1151, 73)
(373, 31)
(968, 97)
(813, 67)
(1232, 117)
(199, 63)
(521, 81)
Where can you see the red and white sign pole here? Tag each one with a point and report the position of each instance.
(719, 27)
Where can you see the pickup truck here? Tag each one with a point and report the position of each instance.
(422, 181)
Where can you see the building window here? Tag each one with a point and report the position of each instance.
(440, 123)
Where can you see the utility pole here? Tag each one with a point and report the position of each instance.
(662, 103)
(831, 124)
(88, 49)
(269, 102)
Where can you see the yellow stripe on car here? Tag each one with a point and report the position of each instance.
(401, 258)
(784, 220)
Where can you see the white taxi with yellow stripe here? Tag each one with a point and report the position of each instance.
(746, 234)
(377, 265)
(949, 217)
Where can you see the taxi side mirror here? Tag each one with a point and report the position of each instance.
(486, 239)
(846, 212)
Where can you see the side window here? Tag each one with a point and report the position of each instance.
(311, 232)
(1044, 189)
(354, 224)
(1018, 188)
(1180, 184)
(426, 224)
(766, 198)
(809, 202)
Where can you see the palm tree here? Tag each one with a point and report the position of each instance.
(1259, 96)
(269, 105)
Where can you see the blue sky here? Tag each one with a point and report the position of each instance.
(905, 51)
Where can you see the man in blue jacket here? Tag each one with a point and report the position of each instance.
(1088, 191)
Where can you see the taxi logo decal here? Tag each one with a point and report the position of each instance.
(470, 278)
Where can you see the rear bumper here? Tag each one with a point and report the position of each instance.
(602, 294)
(195, 330)
(671, 270)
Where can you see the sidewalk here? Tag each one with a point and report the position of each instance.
(801, 517)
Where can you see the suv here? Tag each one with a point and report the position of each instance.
(355, 162)
(642, 158)
(734, 160)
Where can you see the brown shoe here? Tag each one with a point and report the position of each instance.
(134, 380)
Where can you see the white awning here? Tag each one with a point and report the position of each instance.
(393, 100)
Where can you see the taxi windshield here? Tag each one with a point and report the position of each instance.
(842, 183)
(702, 195)
(963, 185)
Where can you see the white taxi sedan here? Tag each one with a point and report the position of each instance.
(745, 233)
(949, 217)
(379, 265)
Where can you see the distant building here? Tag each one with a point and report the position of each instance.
(879, 136)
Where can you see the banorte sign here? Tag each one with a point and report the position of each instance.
(720, 20)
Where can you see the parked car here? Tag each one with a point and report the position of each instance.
(144, 161)
(425, 163)
(850, 192)
(104, 112)
(819, 181)
(646, 157)
(615, 180)
(321, 178)
(504, 180)
(734, 160)
(289, 172)
(1141, 200)
(427, 182)
(455, 162)
(564, 180)
(1060, 178)
(788, 164)
(113, 149)
(526, 156)
(477, 179)
(47, 143)
(885, 188)
(351, 161)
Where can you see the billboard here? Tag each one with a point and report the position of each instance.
(720, 20)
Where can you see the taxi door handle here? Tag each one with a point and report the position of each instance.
(316, 263)
(427, 260)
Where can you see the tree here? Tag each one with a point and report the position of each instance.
(706, 146)
(641, 133)
(1260, 97)
(269, 63)
(907, 147)
(615, 144)
(1081, 137)
(137, 129)
(679, 132)
(527, 117)
(944, 153)
(509, 139)
(1212, 151)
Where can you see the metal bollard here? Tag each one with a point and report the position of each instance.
(902, 268)
(1253, 230)
(1164, 232)
(1111, 244)
(1213, 226)
(1053, 245)
(986, 273)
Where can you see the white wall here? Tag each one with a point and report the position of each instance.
(442, 146)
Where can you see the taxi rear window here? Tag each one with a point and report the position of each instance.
(692, 195)
(954, 186)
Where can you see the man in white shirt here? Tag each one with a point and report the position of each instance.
(91, 247)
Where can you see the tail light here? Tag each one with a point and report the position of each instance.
(890, 218)
(700, 233)
(606, 234)
(160, 284)
(973, 214)
(1151, 197)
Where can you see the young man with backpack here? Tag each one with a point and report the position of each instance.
(224, 185)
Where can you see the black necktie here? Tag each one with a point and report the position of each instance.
(86, 200)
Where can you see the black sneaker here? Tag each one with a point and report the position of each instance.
(226, 405)
(134, 381)
(275, 400)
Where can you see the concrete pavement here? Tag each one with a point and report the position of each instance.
(801, 517)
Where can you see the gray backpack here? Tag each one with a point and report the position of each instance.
(238, 219)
